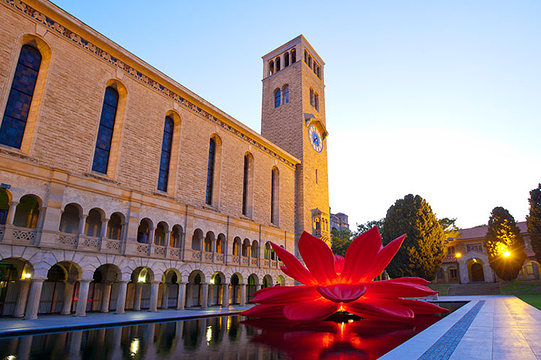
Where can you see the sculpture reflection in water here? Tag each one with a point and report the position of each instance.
(342, 339)
(334, 284)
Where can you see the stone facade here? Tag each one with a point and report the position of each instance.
(73, 239)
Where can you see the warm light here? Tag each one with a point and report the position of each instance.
(212, 281)
(506, 254)
(341, 308)
(11, 357)
(228, 325)
(134, 347)
(26, 275)
(209, 334)
(458, 255)
(142, 276)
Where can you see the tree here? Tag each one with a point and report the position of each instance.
(449, 228)
(423, 249)
(504, 244)
(534, 221)
(369, 225)
(340, 241)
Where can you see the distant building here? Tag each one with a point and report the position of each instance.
(339, 221)
(467, 258)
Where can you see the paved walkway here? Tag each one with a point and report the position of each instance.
(488, 327)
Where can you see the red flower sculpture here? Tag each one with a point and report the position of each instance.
(333, 283)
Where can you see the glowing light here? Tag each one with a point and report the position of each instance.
(506, 254)
(228, 325)
(212, 281)
(134, 347)
(209, 334)
(26, 276)
(458, 255)
(11, 357)
(142, 276)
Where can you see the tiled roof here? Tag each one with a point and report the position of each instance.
(479, 232)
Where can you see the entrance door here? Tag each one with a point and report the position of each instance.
(477, 273)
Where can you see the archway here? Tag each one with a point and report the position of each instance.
(476, 271)
(138, 292)
(104, 288)
(194, 293)
(169, 289)
(267, 281)
(235, 289)
(216, 289)
(251, 288)
(60, 291)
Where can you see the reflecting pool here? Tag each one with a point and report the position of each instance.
(224, 337)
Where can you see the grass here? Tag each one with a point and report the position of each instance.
(527, 291)
(534, 300)
(442, 288)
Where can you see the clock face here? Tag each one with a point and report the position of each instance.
(315, 138)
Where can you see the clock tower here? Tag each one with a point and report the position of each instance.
(293, 117)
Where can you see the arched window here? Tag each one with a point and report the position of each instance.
(143, 231)
(27, 212)
(311, 96)
(159, 234)
(93, 223)
(210, 170)
(196, 240)
(316, 101)
(20, 97)
(220, 244)
(247, 187)
(236, 246)
(246, 248)
(293, 56)
(286, 59)
(209, 239)
(114, 227)
(277, 98)
(275, 181)
(318, 72)
(255, 249)
(277, 64)
(174, 238)
(305, 56)
(4, 207)
(271, 67)
(69, 221)
(105, 132)
(286, 94)
(167, 144)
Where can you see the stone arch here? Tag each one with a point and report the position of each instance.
(144, 231)
(175, 238)
(104, 288)
(236, 246)
(252, 286)
(27, 211)
(115, 226)
(216, 288)
(138, 290)
(5, 200)
(60, 290)
(14, 275)
(94, 222)
(255, 249)
(71, 218)
(221, 243)
(267, 281)
(475, 270)
(194, 293)
(160, 233)
(236, 282)
(169, 288)
(280, 281)
(197, 239)
(209, 241)
(246, 248)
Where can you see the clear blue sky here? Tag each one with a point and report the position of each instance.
(436, 98)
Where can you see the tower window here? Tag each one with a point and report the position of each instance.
(165, 160)
(271, 67)
(247, 186)
(306, 56)
(274, 196)
(277, 64)
(286, 59)
(293, 56)
(105, 132)
(20, 97)
(277, 98)
(210, 170)
(311, 96)
(316, 101)
(286, 94)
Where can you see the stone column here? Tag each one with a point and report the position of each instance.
(68, 298)
(165, 295)
(11, 212)
(242, 294)
(204, 297)
(137, 295)
(225, 299)
(34, 297)
(106, 297)
(22, 298)
(82, 222)
(24, 347)
(121, 300)
(181, 296)
(154, 286)
(82, 297)
(103, 230)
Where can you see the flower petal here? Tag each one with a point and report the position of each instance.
(339, 263)
(390, 289)
(342, 292)
(360, 255)
(264, 311)
(381, 309)
(295, 268)
(423, 307)
(318, 258)
(383, 258)
(309, 311)
(286, 294)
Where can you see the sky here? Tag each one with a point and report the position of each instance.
(440, 99)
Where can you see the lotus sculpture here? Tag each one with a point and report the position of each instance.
(333, 283)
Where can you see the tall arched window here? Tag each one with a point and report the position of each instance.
(105, 132)
(247, 186)
(286, 94)
(277, 64)
(167, 144)
(311, 96)
(210, 170)
(274, 196)
(271, 67)
(20, 97)
(293, 56)
(286, 59)
(277, 98)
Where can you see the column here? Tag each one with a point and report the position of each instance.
(137, 300)
(11, 212)
(189, 290)
(22, 297)
(34, 297)
(165, 295)
(204, 297)
(225, 300)
(82, 297)
(68, 298)
(82, 222)
(121, 300)
(181, 297)
(242, 294)
(103, 231)
(106, 297)
(154, 286)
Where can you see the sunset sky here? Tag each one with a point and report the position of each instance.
(436, 98)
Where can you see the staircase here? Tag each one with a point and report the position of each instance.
(474, 289)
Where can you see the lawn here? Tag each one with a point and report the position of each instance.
(527, 291)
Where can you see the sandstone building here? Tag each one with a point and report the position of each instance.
(123, 190)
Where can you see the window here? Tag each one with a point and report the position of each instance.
(105, 132)
(277, 98)
(247, 186)
(114, 227)
(20, 97)
(210, 170)
(451, 251)
(165, 160)
(286, 59)
(277, 64)
(293, 56)
(286, 95)
(474, 247)
(271, 68)
(305, 56)
(453, 273)
(316, 101)
(274, 196)
(311, 96)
